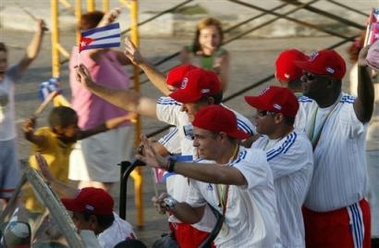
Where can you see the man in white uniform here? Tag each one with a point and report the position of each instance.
(239, 183)
(336, 213)
(199, 88)
(290, 156)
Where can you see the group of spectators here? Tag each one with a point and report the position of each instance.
(297, 177)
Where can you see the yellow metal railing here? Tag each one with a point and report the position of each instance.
(58, 50)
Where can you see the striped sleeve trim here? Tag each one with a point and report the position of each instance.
(168, 101)
(243, 126)
(290, 140)
(241, 156)
(304, 99)
(165, 139)
(347, 99)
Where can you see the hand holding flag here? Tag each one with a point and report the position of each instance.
(372, 31)
(102, 37)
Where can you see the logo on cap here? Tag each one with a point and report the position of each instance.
(277, 106)
(184, 83)
(313, 56)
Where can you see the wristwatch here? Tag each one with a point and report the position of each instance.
(169, 202)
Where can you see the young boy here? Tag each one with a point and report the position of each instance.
(56, 142)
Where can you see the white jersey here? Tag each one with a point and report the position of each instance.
(119, 231)
(340, 173)
(171, 141)
(251, 210)
(170, 111)
(291, 162)
(7, 104)
(301, 115)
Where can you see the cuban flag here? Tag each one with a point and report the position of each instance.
(375, 15)
(102, 37)
(161, 175)
(374, 33)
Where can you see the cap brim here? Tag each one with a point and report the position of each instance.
(306, 66)
(238, 134)
(256, 102)
(71, 205)
(182, 97)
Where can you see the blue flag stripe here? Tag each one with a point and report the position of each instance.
(108, 30)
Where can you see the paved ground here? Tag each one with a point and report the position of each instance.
(252, 60)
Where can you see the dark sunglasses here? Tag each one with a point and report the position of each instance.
(262, 113)
(310, 76)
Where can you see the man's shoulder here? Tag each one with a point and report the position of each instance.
(167, 101)
(347, 99)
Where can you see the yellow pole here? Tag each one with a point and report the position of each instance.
(137, 174)
(54, 38)
(78, 14)
(105, 6)
(91, 5)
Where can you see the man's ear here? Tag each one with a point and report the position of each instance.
(93, 220)
(279, 117)
(211, 100)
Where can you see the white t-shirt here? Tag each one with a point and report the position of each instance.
(291, 162)
(340, 172)
(7, 104)
(170, 111)
(251, 210)
(119, 231)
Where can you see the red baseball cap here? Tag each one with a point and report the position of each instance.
(176, 75)
(217, 118)
(94, 200)
(286, 70)
(324, 62)
(196, 84)
(275, 99)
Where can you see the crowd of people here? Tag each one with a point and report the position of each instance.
(295, 178)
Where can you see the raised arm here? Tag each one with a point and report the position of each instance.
(34, 46)
(211, 173)
(125, 99)
(28, 128)
(155, 76)
(364, 104)
(108, 125)
(221, 67)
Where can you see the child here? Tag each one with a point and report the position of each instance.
(56, 142)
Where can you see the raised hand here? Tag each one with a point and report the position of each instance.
(150, 156)
(132, 52)
(29, 124)
(41, 26)
(83, 76)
